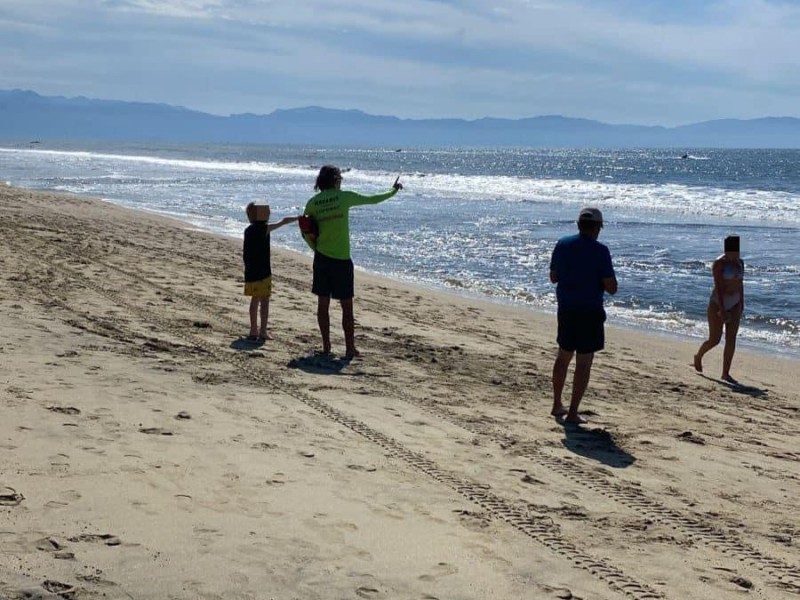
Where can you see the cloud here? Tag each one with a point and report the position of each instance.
(616, 60)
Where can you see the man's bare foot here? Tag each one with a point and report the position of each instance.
(352, 353)
(265, 335)
(698, 363)
(558, 411)
(729, 379)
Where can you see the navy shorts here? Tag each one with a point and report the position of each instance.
(581, 330)
(333, 277)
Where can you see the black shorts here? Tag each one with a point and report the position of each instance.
(581, 330)
(333, 277)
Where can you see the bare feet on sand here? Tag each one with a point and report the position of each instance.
(265, 335)
(352, 353)
(574, 420)
(558, 411)
(698, 363)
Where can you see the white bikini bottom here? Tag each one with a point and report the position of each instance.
(729, 301)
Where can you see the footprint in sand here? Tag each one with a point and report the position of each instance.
(688, 436)
(440, 570)
(367, 592)
(93, 450)
(367, 468)
(64, 410)
(63, 499)
(97, 538)
(10, 497)
(52, 545)
(527, 478)
(59, 460)
(95, 579)
(277, 479)
(264, 446)
(155, 431)
(473, 519)
(62, 590)
(185, 502)
(49, 544)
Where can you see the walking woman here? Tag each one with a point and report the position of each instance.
(725, 307)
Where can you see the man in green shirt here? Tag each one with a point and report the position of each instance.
(333, 267)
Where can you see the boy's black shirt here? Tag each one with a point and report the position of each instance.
(255, 252)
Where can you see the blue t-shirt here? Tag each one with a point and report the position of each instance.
(581, 264)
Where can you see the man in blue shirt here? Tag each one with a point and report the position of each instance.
(581, 267)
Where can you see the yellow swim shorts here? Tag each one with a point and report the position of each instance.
(258, 289)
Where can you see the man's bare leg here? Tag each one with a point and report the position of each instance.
(349, 326)
(580, 381)
(324, 322)
(559, 379)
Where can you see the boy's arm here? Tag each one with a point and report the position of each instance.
(285, 221)
(310, 240)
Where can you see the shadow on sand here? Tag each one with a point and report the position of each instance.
(737, 387)
(595, 443)
(244, 344)
(321, 364)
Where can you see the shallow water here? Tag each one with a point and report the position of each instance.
(485, 221)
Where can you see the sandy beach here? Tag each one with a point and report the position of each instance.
(149, 451)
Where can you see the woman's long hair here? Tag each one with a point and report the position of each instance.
(328, 177)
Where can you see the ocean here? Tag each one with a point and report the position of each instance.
(483, 222)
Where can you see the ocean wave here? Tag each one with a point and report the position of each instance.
(623, 202)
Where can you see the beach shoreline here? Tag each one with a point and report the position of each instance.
(489, 231)
(151, 452)
(759, 347)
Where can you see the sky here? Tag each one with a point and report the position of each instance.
(649, 62)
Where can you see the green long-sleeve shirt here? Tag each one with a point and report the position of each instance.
(331, 210)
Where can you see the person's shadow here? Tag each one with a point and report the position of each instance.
(247, 344)
(595, 443)
(320, 364)
(737, 387)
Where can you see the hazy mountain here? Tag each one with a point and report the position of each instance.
(27, 116)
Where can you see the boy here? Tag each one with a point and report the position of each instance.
(257, 270)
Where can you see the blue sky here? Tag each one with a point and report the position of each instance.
(619, 61)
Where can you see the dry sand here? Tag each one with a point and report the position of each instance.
(149, 452)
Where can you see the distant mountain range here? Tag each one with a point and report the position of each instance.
(27, 116)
